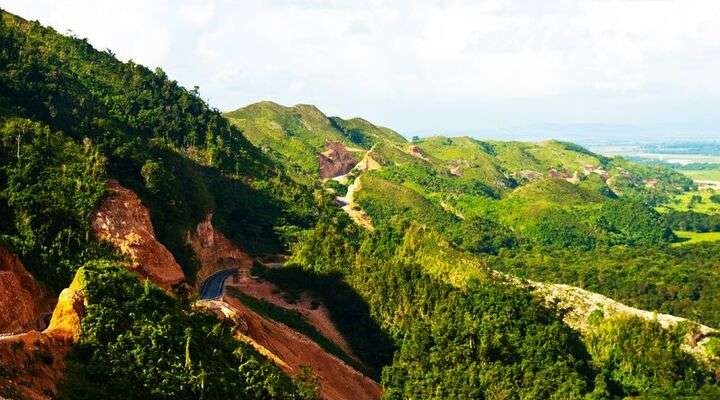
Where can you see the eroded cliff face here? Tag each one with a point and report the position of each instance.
(214, 251)
(23, 301)
(336, 160)
(65, 322)
(286, 347)
(32, 363)
(291, 351)
(124, 221)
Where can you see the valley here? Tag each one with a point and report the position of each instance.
(152, 247)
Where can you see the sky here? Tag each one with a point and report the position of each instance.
(488, 68)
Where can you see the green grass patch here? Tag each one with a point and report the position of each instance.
(697, 200)
(703, 175)
(686, 237)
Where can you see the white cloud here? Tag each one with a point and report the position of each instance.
(417, 65)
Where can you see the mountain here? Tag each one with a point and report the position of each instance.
(109, 170)
(154, 248)
(299, 136)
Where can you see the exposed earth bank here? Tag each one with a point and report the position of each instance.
(125, 222)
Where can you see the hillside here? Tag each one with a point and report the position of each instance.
(154, 248)
(299, 137)
(108, 167)
(508, 202)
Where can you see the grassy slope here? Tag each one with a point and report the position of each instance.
(681, 202)
(516, 156)
(476, 159)
(696, 237)
(705, 175)
(295, 135)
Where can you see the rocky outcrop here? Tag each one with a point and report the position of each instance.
(579, 304)
(415, 152)
(124, 221)
(65, 322)
(291, 351)
(22, 300)
(336, 160)
(32, 363)
(214, 251)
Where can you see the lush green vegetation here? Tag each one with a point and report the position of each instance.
(692, 221)
(700, 201)
(703, 175)
(479, 337)
(700, 171)
(161, 140)
(416, 299)
(646, 360)
(294, 136)
(682, 281)
(546, 212)
(139, 343)
(686, 237)
(50, 186)
(71, 118)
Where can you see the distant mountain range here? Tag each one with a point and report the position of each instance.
(594, 133)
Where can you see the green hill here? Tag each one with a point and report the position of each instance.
(295, 136)
(430, 300)
(70, 118)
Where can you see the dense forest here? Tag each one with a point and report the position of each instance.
(71, 117)
(432, 300)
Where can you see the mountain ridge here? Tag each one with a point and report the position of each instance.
(427, 301)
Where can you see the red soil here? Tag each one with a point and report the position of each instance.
(32, 363)
(335, 161)
(214, 251)
(22, 299)
(291, 351)
(124, 221)
(287, 348)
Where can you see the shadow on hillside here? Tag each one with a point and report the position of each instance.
(183, 192)
(348, 311)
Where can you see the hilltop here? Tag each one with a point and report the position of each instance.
(159, 249)
(298, 136)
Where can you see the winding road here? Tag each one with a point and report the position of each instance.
(212, 287)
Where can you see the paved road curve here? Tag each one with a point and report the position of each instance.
(212, 288)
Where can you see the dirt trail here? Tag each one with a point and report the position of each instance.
(579, 304)
(316, 314)
(291, 351)
(348, 203)
(352, 208)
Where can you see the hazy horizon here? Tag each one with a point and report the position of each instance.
(570, 70)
